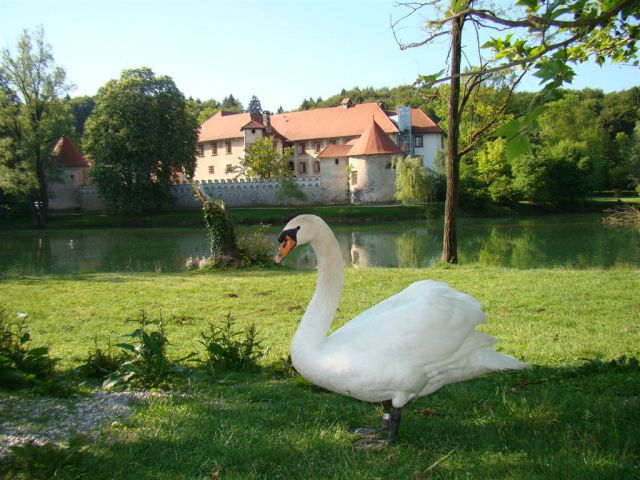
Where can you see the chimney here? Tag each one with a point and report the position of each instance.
(266, 120)
(346, 103)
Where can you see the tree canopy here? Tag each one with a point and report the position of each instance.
(262, 160)
(140, 136)
(32, 119)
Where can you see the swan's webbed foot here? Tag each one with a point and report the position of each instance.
(371, 439)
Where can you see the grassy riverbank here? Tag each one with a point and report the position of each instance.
(556, 420)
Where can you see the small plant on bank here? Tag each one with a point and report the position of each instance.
(227, 348)
(19, 364)
(103, 362)
(255, 249)
(146, 363)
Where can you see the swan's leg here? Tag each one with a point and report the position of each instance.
(387, 407)
(394, 423)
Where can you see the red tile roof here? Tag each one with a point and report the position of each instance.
(65, 154)
(225, 125)
(374, 141)
(333, 122)
(422, 123)
(334, 151)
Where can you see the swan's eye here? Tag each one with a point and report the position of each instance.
(291, 233)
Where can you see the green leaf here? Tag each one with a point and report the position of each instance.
(518, 145)
(39, 351)
(531, 4)
(126, 346)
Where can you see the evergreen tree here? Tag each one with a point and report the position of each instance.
(254, 106)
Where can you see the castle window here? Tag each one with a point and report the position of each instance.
(227, 145)
(302, 167)
(316, 166)
(300, 148)
(214, 149)
(200, 150)
(228, 168)
(317, 146)
(253, 130)
(337, 161)
(354, 177)
(417, 141)
(211, 170)
(292, 167)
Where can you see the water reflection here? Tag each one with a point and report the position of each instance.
(576, 241)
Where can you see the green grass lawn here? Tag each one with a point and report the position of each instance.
(555, 420)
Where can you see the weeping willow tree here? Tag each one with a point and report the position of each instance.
(412, 181)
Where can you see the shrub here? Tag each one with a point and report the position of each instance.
(228, 349)
(255, 249)
(102, 363)
(146, 361)
(19, 364)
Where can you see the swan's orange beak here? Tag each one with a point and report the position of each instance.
(285, 249)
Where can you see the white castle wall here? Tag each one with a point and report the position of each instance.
(234, 193)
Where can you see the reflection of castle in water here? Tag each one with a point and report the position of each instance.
(364, 249)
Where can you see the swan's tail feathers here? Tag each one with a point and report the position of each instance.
(480, 348)
(494, 361)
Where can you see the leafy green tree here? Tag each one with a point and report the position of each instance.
(262, 160)
(412, 181)
(254, 106)
(202, 110)
(31, 85)
(548, 37)
(231, 103)
(139, 136)
(80, 108)
(280, 109)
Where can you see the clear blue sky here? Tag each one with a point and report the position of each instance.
(280, 50)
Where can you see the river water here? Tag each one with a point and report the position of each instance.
(577, 241)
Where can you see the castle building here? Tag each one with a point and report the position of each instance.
(350, 148)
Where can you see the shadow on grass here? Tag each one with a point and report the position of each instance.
(542, 423)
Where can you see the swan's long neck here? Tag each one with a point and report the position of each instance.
(324, 303)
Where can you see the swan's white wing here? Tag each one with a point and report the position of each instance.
(423, 324)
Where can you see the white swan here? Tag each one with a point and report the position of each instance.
(405, 347)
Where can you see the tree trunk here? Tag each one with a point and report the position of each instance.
(41, 203)
(450, 240)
